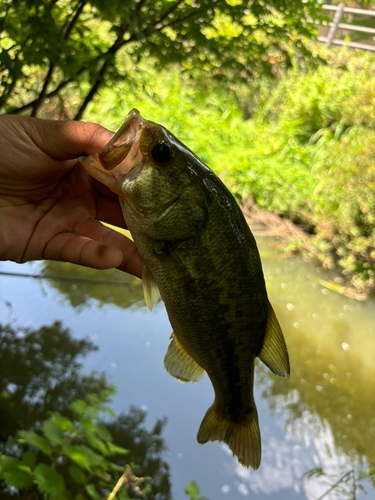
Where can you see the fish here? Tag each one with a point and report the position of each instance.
(200, 256)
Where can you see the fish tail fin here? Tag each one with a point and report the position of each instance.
(242, 435)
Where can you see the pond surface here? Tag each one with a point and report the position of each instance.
(323, 416)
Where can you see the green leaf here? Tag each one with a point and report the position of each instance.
(103, 433)
(62, 422)
(49, 481)
(77, 455)
(105, 476)
(114, 449)
(119, 468)
(53, 432)
(35, 440)
(96, 443)
(29, 458)
(92, 431)
(15, 473)
(84, 456)
(107, 409)
(77, 474)
(192, 491)
(79, 406)
(90, 488)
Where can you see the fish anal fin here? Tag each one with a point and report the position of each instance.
(180, 365)
(274, 353)
(150, 287)
(241, 435)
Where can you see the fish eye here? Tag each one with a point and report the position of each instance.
(161, 152)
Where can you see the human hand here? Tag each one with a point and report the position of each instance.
(49, 206)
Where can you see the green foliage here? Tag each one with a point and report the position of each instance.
(49, 481)
(329, 112)
(16, 472)
(193, 492)
(33, 439)
(66, 458)
(47, 46)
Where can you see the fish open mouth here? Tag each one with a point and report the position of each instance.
(119, 156)
(121, 143)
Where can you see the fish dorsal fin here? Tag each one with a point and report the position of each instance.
(180, 365)
(274, 353)
(150, 287)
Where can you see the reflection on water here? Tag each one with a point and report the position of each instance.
(40, 372)
(106, 287)
(331, 342)
(329, 400)
(323, 416)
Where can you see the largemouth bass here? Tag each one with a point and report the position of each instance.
(199, 252)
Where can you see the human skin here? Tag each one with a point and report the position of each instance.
(50, 208)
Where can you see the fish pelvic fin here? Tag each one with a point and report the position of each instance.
(274, 353)
(241, 435)
(180, 365)
(150, 287)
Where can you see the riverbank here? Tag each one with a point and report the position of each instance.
(284, 235)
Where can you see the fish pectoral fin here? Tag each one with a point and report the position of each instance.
(274, 353)
(241, 435)
(150, 287)
(180, 365)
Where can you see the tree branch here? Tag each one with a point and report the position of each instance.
(182, 19)
(93, 89)
(74, 20)
(140, 4)
(39, 100)
(119, 42)
(8, 87)
(169, 11)
(63, 84)
(4, 17)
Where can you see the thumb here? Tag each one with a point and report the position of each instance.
(65, 140)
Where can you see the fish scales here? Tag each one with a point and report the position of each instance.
(198, 249)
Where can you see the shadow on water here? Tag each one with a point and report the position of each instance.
(81, 285)
(40, 372)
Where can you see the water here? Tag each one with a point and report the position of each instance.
(323, 416)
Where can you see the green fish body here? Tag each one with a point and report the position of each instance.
(199, 252)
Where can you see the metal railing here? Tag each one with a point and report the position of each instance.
(336, 24)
